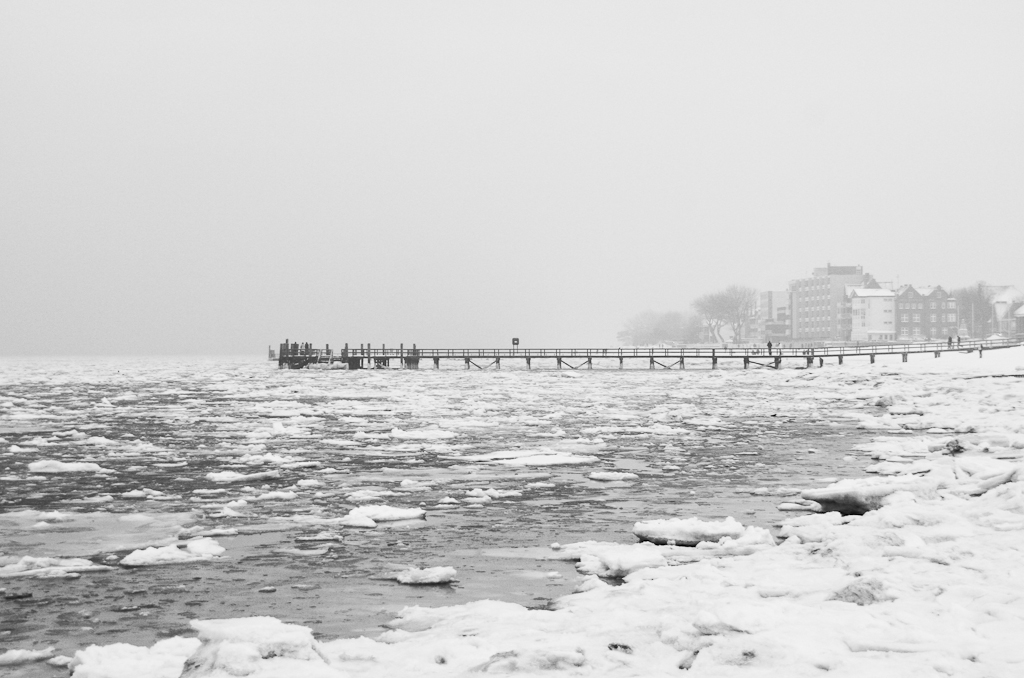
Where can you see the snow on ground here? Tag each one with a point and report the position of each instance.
(917, 573)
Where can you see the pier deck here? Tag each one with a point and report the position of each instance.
(296, 356)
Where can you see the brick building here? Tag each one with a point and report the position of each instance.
(925, 314)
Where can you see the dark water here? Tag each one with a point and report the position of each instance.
(701, 442)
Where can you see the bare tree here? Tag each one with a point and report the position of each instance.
(730, 307)
(713, 311)
(740, 303)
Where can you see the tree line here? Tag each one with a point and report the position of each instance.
(976, 311)
(709, 315)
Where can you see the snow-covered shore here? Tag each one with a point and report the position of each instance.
(924, 583)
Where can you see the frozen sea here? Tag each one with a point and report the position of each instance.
(301, 495)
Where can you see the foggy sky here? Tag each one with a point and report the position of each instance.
(215, 177)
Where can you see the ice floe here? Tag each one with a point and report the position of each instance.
(46, 568)
(203, 548)
(687, 531)
(612, 475)
(430, 575)
(55, 466)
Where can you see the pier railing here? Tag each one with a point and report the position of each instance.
(366, 351)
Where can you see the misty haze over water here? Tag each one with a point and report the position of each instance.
(211, 178)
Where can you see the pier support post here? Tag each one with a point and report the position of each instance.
(437, 363)
(528, 365)
(682, 363)
(559, 361)
(810, 361)
(904, 357)
(652, 363)
(620, 362)
(590, 364)
(467, 363)
(746, 362)
(840, 360)
(938, 354)
(497, 363)
(980, 351)
(778, 363)
(714, 363)
(872, 358)
(821, 362)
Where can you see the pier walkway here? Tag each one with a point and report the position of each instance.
(296, 356)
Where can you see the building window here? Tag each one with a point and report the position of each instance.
(917, 317)
(933, 317)
(904, 317)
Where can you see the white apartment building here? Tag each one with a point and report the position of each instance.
(872, 314)
(819, 305)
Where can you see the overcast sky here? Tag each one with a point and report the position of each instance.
(212, 177)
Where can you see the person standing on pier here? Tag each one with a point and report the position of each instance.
(949, 342)
(769, 347)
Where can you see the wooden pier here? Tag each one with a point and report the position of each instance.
(297, 356)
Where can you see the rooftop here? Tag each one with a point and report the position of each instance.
(870, 292)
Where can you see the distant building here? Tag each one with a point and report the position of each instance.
(1005, 300)
(925, 314)
(820, 307)
(773, 315)
(872, 314)
(1018, 317)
